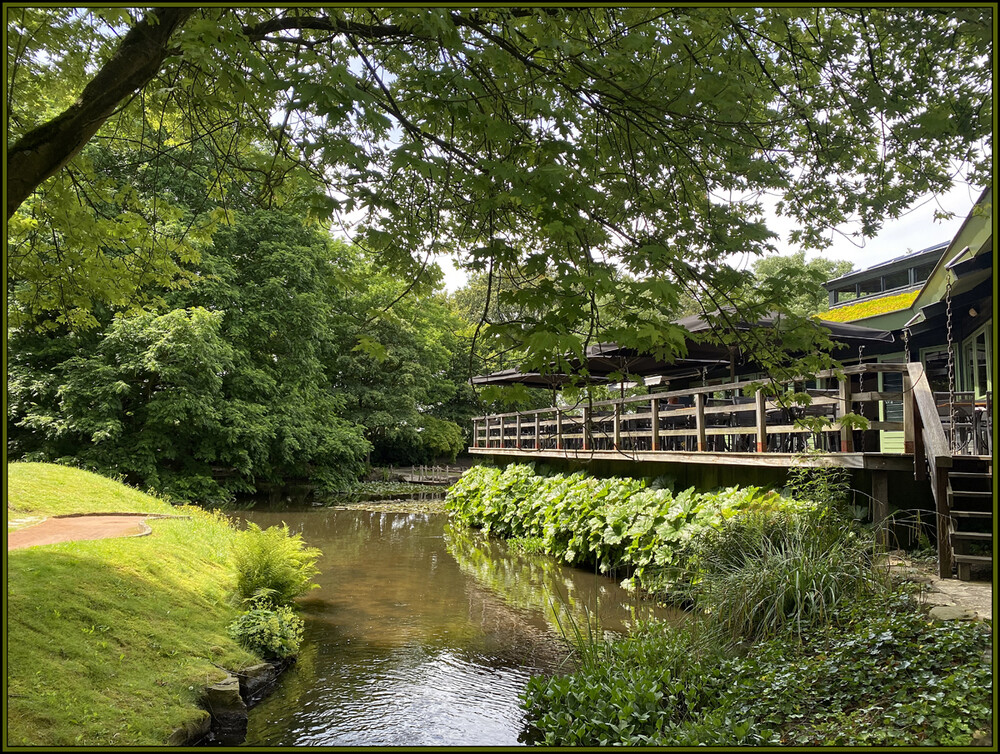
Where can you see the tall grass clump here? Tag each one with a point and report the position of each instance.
(273, 564)
(764, 572)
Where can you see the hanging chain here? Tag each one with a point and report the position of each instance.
(704, 376)
(951, 367)
(861, 375)
(906, 345)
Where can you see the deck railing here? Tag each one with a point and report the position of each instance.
(733, 417)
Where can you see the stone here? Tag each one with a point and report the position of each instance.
(946, 613)
(982, 738)
(191, 732)
(255, 680)
(228, 710)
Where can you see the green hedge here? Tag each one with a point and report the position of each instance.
(614, 523)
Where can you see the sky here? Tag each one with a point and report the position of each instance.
(915, 230)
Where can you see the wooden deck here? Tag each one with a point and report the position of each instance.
(728, 421)
(870, 461)
(746, 424)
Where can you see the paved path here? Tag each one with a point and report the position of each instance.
(976, 596)
(69, 528)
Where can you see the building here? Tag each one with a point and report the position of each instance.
(917, 351)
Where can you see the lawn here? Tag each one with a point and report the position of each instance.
(110, 642)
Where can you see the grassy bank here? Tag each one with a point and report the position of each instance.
(109, 642)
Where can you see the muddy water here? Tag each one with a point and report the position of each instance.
(422, 634)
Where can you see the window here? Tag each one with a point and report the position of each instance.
(936, 367)
(977, 361)
(845, 294)
(898, 279)
(870, 287)
(923, 271)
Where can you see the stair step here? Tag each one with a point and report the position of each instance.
(971, 474)
(972, 493)
(972, 535)
(972, 514)
(971, 558)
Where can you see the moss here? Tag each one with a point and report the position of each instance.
(869, 307)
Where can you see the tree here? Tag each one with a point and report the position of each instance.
(793, 272)
(223, 390)
(576, 142)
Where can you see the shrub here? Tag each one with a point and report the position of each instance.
(765, 570)
(273, 632)
(273, 563)
(609, 523)
(831, 487)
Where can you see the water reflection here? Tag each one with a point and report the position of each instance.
(417, 636)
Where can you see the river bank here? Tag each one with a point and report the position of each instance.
(111, 642)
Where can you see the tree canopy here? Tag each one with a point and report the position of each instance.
(593, 154)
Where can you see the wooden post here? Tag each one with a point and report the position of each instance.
(618, 426)
(538, 433)
(559, 437)
(503, 438)
(517, 440)
(880, 505)
(940, 486)
(586, 428)
(475, 433)
(908, 428)
(699, 420)
(654, 407)
(844, 399)
(761, 421)
(919, 454)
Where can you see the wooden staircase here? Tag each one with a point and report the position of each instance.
(970, 512)
(962, 485)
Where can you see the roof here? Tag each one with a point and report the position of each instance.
(909, 258)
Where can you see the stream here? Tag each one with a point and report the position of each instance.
(424, 634)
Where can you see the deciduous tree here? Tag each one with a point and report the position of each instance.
(575, 142)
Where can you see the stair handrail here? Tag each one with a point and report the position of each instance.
(935, 450)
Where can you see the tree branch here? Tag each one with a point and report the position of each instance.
(42, 152)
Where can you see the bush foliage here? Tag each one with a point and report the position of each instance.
(272, 564)
(615, 523)
(767, 571)
(880, 675)
(273, 632)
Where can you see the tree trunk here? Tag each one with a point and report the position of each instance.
(42, 152)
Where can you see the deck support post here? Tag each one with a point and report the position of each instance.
(880, 505)
(559, 437)
(586, 427)
(761, 421)
(475, 433)
(654, 407)
(940, 487)
(517, 440)
(907, 415)
(538, 433)
(618, 426)
(699, 421)
(844, 408)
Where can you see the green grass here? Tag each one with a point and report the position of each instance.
(109, 642)
(39, 490)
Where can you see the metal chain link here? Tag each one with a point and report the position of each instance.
(906, 345)
(861, 374)
(951, 367)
